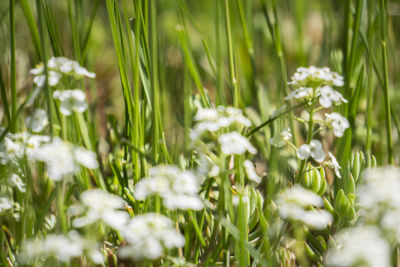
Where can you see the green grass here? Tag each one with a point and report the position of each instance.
(156, 61)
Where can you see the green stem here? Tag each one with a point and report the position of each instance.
(383, 21)
(230, 56)
(13, 64)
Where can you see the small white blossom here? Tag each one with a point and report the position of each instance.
(53, 79)
(338, 123)
(281, 139)
(177, 188)
(209, 119)
(235, 144)
(297, 204)
(71, 100)
(251, 172)
(301, 93)
(58, 66)
(329, 96)
(314, 150)
(334, 164)
(62, 247)
(5, 204)
(61, 158)
(37, 121)
(359, 246)
(147, 236)
(99, 205)
(15, 181)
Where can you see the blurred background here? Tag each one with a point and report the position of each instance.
(270, 39)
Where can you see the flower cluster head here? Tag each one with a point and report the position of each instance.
(337, 122)
(359, 246)
(212, 120)
(298, 204)
(15, 147)
(314, 150)
(96, 205)
(5, 204)
(62, 158)
(178, 189)
(379, 198)
(315, 77)
(58, 66)
(316, 83)
(148, 235)
(62, 247)
(235, 144)
(71, 100)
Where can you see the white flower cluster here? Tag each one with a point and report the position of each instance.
(234, 143)
(178, 189)
(58, 66)
(147, 235)
(5, 204)
(316, 77)
(326, 94)
(297, 204)
(62, 158)
(378, 226)
(97, 205)
(359, 246)
(71, 100)
(212, 120)
(14, 147)
(62, 247)
(379, 198)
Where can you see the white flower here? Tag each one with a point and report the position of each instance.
(56, 67)
(53, 79)
(359, 246)
(100, 205)
(328, 96)
(61, 158)
(37, 121)
(147, 235)
(209, 119)
(338, 123)
(71, 100)
(5, 204)
(315, 77)
(58, 157)
(86, 158)
(380, 192)
(334, 164)
(62, 247)
(69, 67)
(251, 172)
(301, 93)
(15, 181)
(314, 150)
(281, 139)
(296, 204)
(177, 188)
(235, 144)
